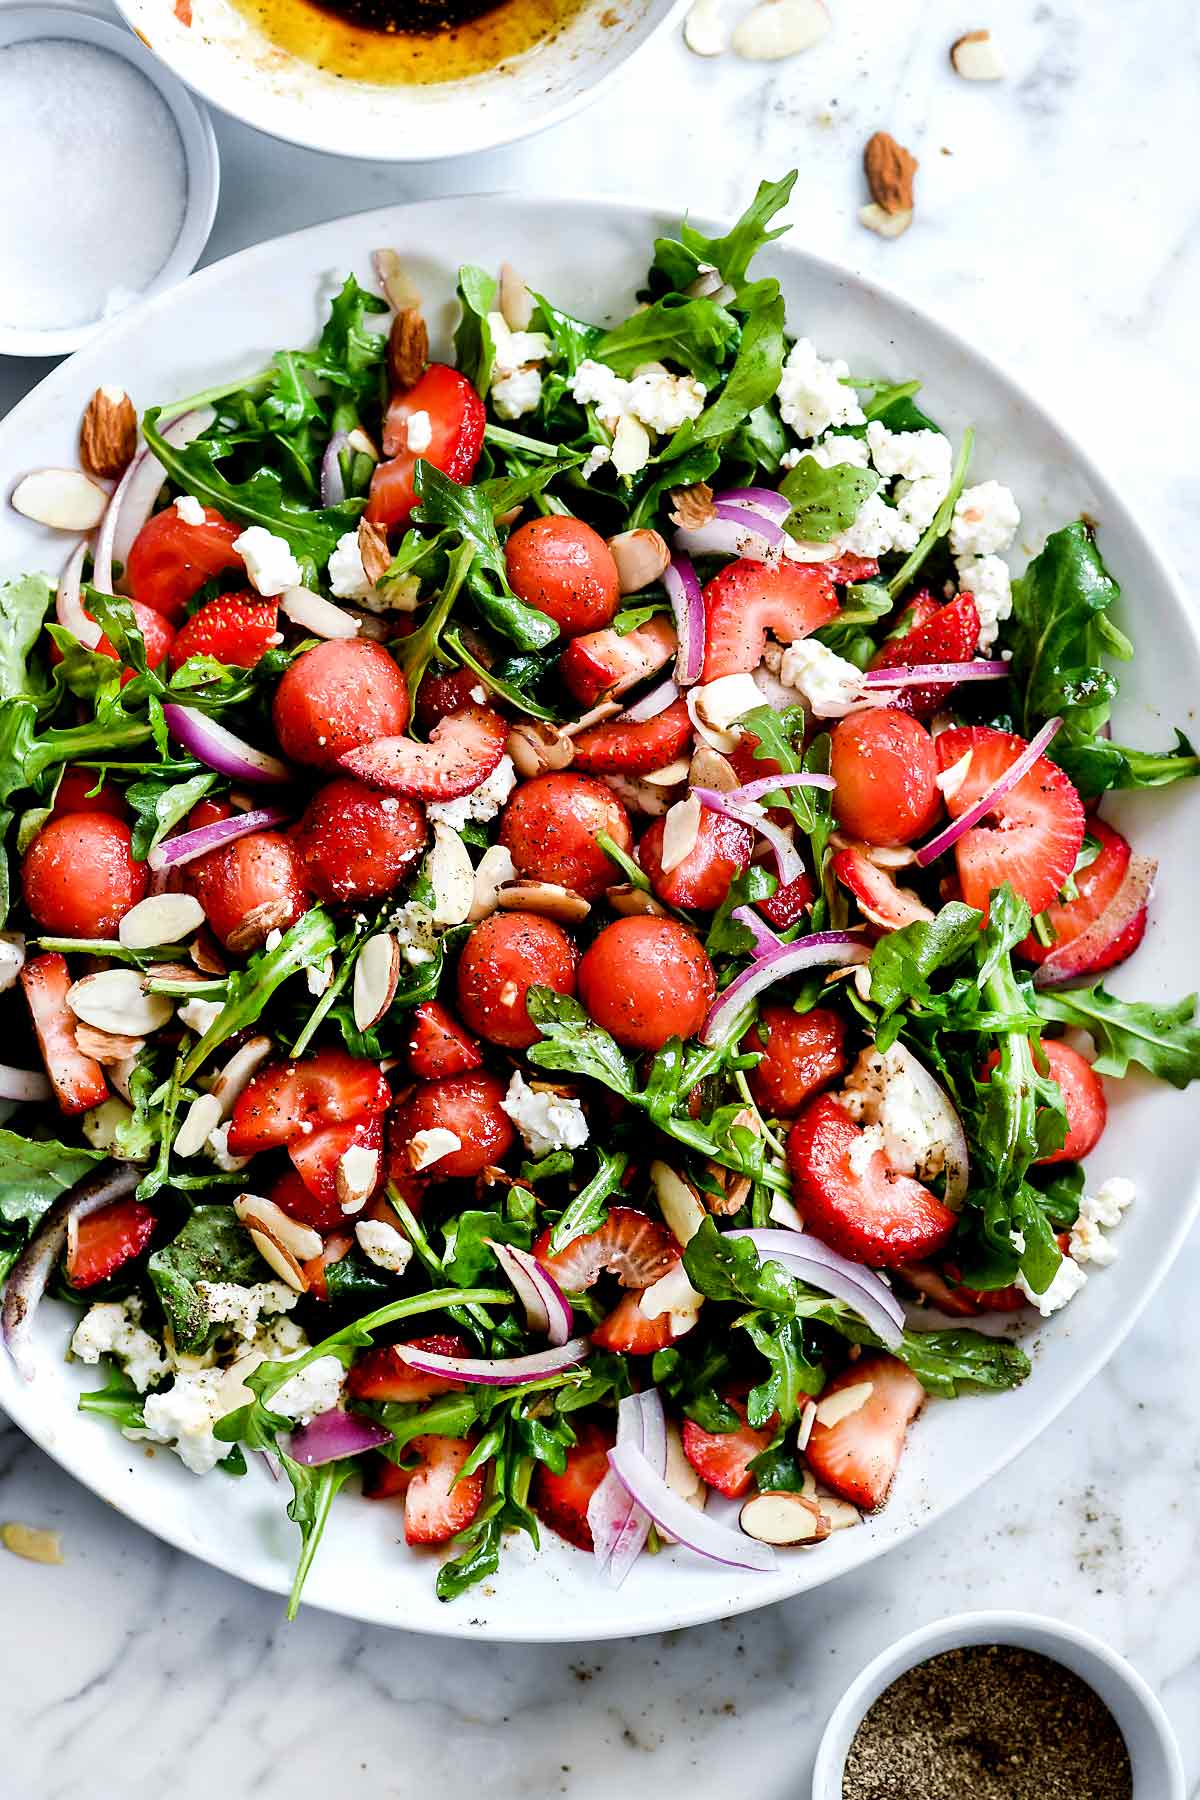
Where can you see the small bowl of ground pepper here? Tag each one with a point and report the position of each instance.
(999, 1706)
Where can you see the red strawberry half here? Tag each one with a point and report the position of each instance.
(723, 1458)
(629, 1332)
(1104, 882)
(438, 1045)
(871, 1213)
(462, 751)
(625, 747)
(746, 600)
(1030, 837)
(601, 663)
(561, 1501)
(237, 629)
(879, 896)
(315, 1156)
(941, 635)
(289, 1100)
(858, 1456)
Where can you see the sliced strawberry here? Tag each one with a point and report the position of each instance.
(875, 1216)
(624, 748)
(631, 1246)
(438, 1045)
(381, 1374)
(788, 903)
(561, 1501)
(315, 1156)
(383, 1479)
(847, 568)
(746, 600)
(294, 1197)
(455, 417)
(629, 1332)
(858, 1456)
(336, 1246)
(604, 663)
(328, 1088)
(879, 896)
(437, 1505)
(107, 1241)
(1098, 887)
(722, 850)
(943, 1290)
(1030, 837)
(461, 753)
(800, 1053)
(77, 1080)
(723, 1458)
(949, 634)
(237, 629)
(1083, 1099)
(440, 695)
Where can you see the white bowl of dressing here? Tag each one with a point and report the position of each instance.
(109, 177)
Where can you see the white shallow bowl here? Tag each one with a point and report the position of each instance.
(24, 24)
(225, 57)
(228, 320)
(1153, 1749)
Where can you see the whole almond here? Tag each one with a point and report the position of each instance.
(108, 435)
(408, 348)
(890, 171)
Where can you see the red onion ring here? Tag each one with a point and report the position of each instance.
(186, 846)
(1076, 958)
(687, 604)
(771, 505)
(788, 860)
(546, 1306)
(32, 1270)
(770, 784)
(68, 607)
(766, 941)
(334, 1434)
(618, 1524)
(25, 1085)
(135, 495)
(765, 527)
(219, 749)
(333, 486)
(806, 1256)
(651, 704)
(510, 1371)
(732, 535)
(695, 1530)
(917, 674)
(1015, 772)
(824, 947)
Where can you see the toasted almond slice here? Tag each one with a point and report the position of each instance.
(840, 1513)
(630, 446)
(312, 612)
(256, 927)
(778, 28)
(428, 1147)
(640, 796)
(160, 919)
(115, 1000)
(692, 506)
(704, 34)
(516, 301)
(494, 870)
(782, 1518)
(31, 1542)
(108, 435)
(884, 224)
(681, 1478)
(258, 1214)
(678, 1202)
(607, 709)
(107, 1047)
(448, 869)
(671, 775)
(376, 977)
(536, 748)
(281, 1260)
(546, 899)
(680, 832)
(708, 768)
(633, 902)
(356, 1176)
(640, 556)
(233, 1080)
(64, 499)
(976, 58)
(844, 1403)
(672, 1293)
(121, 1074)
(808, 1418)
(402, 293)
(201, 1117)
(205, 954)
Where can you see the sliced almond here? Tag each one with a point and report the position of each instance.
(108, 435)
(681, 1478)
(107, 1047)
(640, 796)
(951, 779)
(121, 1074)
(634, 902)
(708, 768)
(205, 954)
(781, 1518)
(201, 1117)
(607, 709)
(102, 1124)
(449, 872)
(778, 28)
(114, 1000)
(704, 34)
(376, 977)
(398, 287)
(160, 919)
(640, 556)
(312, 612)
(678, 1202)
(358, 441)
(546, 899)
(844, 1403)
(808, 1418)
(976, 58)
(357, 1176)
(537, 748)
(516, 301)
(31, 1542)
(840, 1513)
(252, 932)
(885, 224)
(425, 1148)
(258, 1214)
(672, 1293)
(233, 1080)
(692, 506)
(64, 499)
(671, 775)
(680, 832)
(494, 871)
(280, 1260)
(373, 550)
(630, 446)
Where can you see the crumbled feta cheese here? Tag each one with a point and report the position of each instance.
(184, 1414)
(989, 580)
(481, 804)
(597, 456)
(1068, 1279)
(198, 1015)
(595, 384)
(812, 395)
(113, 1329)
(270, 565)
(216, 1147)
(413, 928)
(515, 395)
(514, 350)
(428, 1147)
(918, 501)
(880, 1092)
(316, 1389)
(663, 402)
(985, 520)
(833, 452)
(347, 577)
(280, 1339)
(1099, 1212)
(913, 455)
(866, 1145)
(546, 1121)
(229, 1303)
(877, 529)
(831, 685)
(189, 509)
(419, 432)
(383, 1245)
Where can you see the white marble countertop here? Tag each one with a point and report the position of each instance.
(1055, 228)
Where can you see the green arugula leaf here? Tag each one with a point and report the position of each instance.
(212, 1246)
(34, 1172)
(726, 1268)
(159, 806)
(589, 1209)
(698, 334)
(573, 339)
(1097, 764)
(825, 501)
(1059, 631)
(24, 604)
(902, 961)
(677, 262)
(117, 1400)
(1163, 1039)
(943, 1361)
(751, 383)
(895, 406)
(474, 350)
(570, 1042)
(305, 945)
(793, 1374)
(313, 1494)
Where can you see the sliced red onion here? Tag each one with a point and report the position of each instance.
(788, 860)
(33, 1268)
(651, 704)
(757, 499)
(771, 784)
(188, 845)
(766, 941)
(68, 607)
(333, 486)
(1075, 959)
(23, 1084)
(136, 493)
(695, 1530)
(509, 1371)
(220, 749)
(618, 1524)
(764, 527)
(942, 842)
(687, 603)
(546, 1306)
(739, 533)
(814, 1262)
(334, 1434)
(824, 947)
(919, 674)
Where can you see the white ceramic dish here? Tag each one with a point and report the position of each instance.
(226, 321)
(1153, 1750)
(23, 24)
(226, 58)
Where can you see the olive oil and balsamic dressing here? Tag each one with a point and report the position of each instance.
(409, 41)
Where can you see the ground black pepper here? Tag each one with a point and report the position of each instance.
(988, 1722)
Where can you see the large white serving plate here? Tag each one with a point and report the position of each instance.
(227, 321)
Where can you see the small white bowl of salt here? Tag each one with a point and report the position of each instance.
(108, 177)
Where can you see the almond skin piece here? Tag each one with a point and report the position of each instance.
(108, 435)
